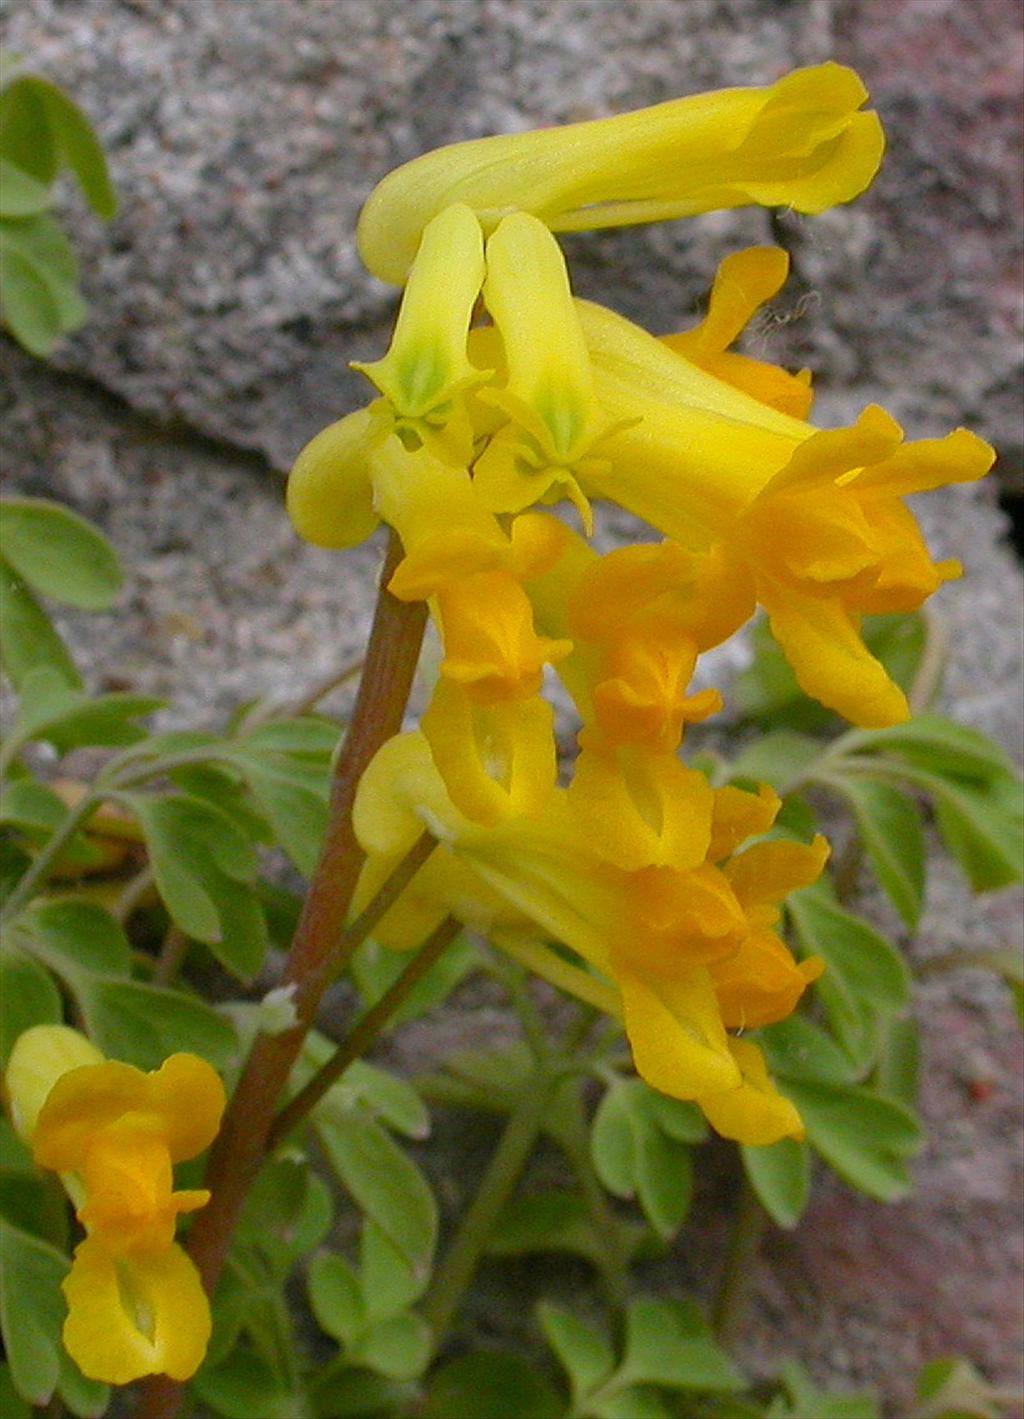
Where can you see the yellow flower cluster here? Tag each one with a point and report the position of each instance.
(502, 395)
(136, 1305)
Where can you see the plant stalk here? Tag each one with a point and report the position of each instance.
(738, 1267)
(363, 1033)
(506, 1165)
(315, 957)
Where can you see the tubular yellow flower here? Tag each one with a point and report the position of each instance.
(426, 371)
(136, 1305)
(801, 142)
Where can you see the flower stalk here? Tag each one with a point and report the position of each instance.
(316, 954)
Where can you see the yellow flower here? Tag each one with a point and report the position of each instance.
(800, 142)
(136, 1305)
(812, 520)
(618, 868)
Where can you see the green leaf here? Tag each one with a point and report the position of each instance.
(796, 1048)
(42, 129)
(27, 639)
(807, 1401)
(951, 1388)
(244, 1385)
(82, 935)
(899, 1065)
(203, 866)
(385, 1183)
(143, 1024)
(25, 134)
(336, 1298)
(554, 1221)
(28, 997)
(778, 759)
(53, 711)
(31, 1311)
(585, 1356)
(983, 832)
(893, 836)
(355, 1394)
(669, 1343)
(491, 1385)
(390, 1284)
(287, 1213)
(636, 1155)
(30, 1199)
(384, 1094)
(398, 1347)
(866, 1138)
(781, 1176)
(30, 309)
(12, 1406)
(613, 1141)
(633, 1402)
(294, 798)
(676, 1118)
(20, 194)
(35, 811)
(941, 746)
(871, 969)
(84, 1397)
(305, 737)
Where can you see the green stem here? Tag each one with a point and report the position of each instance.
(47, 857)
(363, 1033)
(453, 1276)
(575, 1142)
(738, 1266)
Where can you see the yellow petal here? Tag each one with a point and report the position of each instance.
(761, 983)
(446, 530)
(39, 1057)
(642, 809)
(129, 1203)
(135, 1315)
(675, 1032)
(400, 794)
(745, 280)
(498, 760)
(490, 643)
(798, 143)
(739, 815)
(329, 496)
(822, 642)
(755, 1113)
(427, 368)
(769, 871)
(182, 1102)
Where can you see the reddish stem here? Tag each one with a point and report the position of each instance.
(314, 959)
